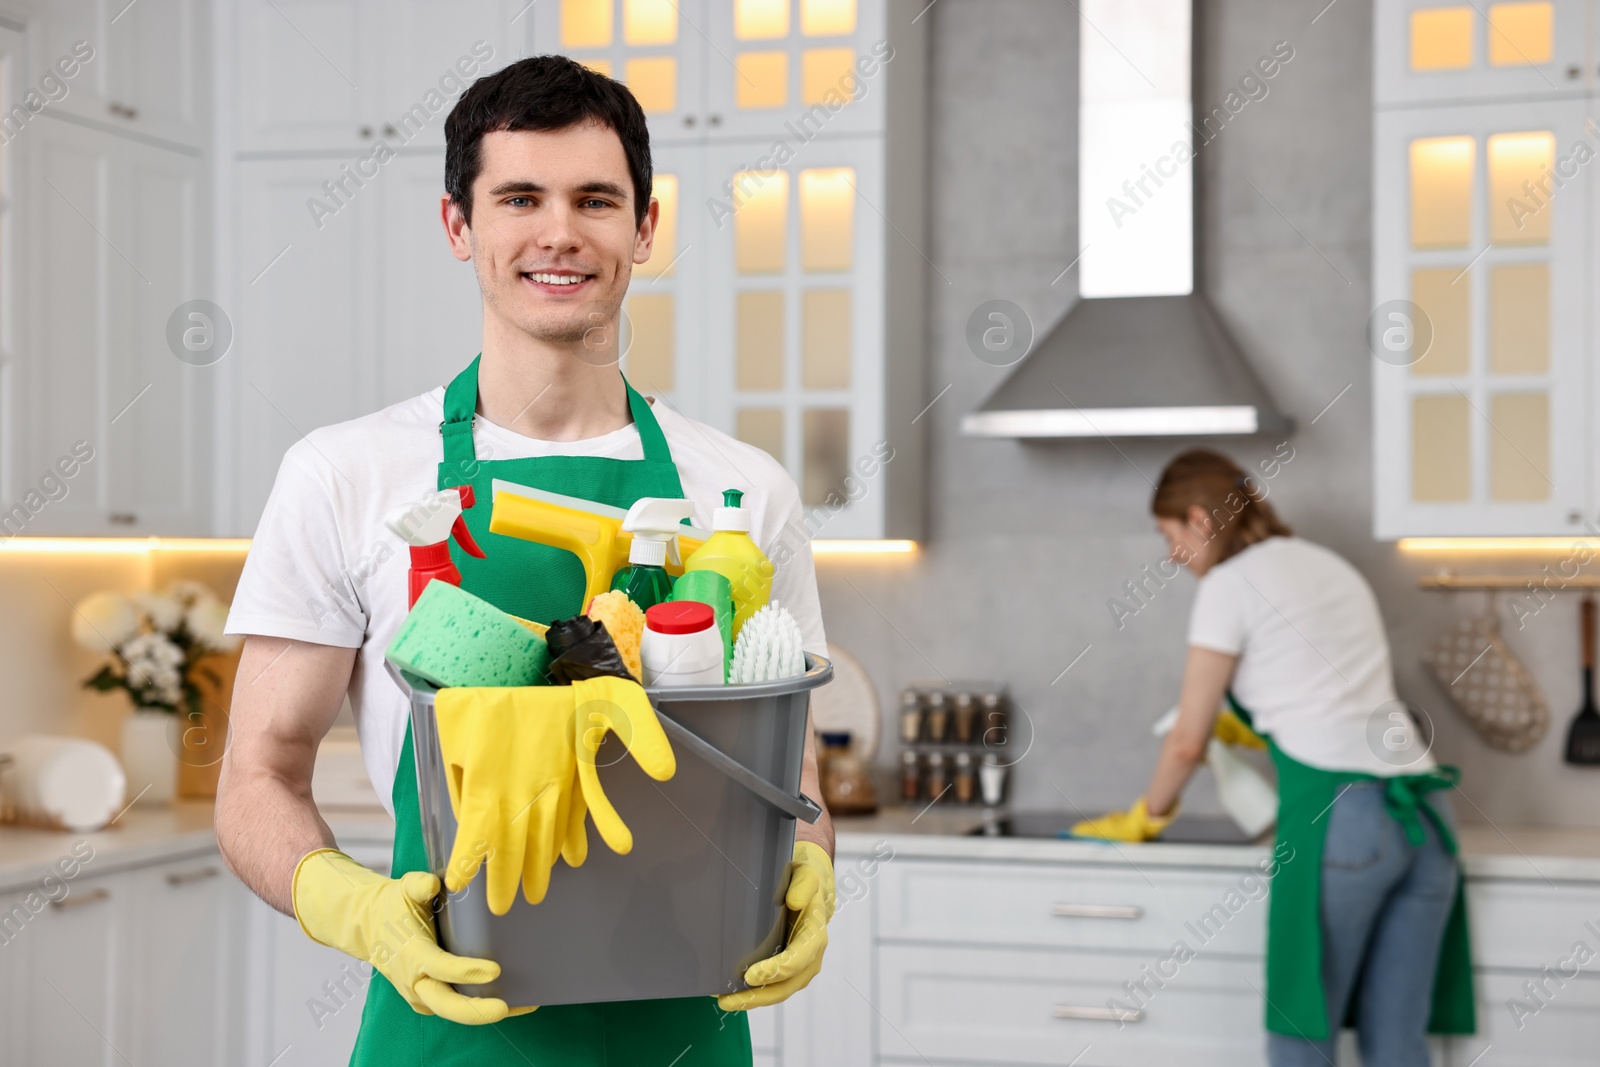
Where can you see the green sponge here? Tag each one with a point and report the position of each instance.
(452, 638)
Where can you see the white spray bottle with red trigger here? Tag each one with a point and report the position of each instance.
(427, 526)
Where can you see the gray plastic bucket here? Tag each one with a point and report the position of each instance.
(700, 896)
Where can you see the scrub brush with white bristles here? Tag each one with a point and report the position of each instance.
(769, 648)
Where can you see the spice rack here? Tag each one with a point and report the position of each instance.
(954, 738)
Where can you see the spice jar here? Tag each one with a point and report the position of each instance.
(966, 715)
(938, 781)
(846, 786)
(910, 775)
(993, 718)
(938, 717)
(965, 778)
(910, 716)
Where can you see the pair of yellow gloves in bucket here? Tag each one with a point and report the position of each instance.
(1137, 824)
(520, 764)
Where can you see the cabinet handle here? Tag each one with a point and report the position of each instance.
(688, 120)
(715, 120)
(1574, 72)
(123, 111)
(91, 897)
(123, 518)
(1099, 1015)
(366, 131)
(185, 877)
(1097, 911)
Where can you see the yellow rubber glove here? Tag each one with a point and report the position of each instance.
(511, 769)
(1135, 824)
(1231, 730)
(619, 706)
(388, 922)
(811, 897)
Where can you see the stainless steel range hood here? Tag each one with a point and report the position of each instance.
(1142, 353)
(1137, 366)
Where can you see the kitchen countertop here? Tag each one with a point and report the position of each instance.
(147, 835)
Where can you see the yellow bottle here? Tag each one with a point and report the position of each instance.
(731, 552)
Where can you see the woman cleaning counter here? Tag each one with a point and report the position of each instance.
(1368, 926)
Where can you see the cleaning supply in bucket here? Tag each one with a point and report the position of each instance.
(581, 648)
(711, 588)
(591, 531)
(624, 622)
(769, 648)
(427, 527)
(731, 553)
(452, 638)
(654, 523)
(681, 645)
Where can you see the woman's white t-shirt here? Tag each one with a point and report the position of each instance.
(1314, 669)
(323, 568)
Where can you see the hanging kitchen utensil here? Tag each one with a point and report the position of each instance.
(1583, 736)
(1488, 684)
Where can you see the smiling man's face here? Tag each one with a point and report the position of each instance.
(552, 235)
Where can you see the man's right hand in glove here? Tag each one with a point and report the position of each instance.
(388, 922)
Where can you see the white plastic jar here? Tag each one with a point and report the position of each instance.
(681, 645)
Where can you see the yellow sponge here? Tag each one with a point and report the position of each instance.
(625, 623)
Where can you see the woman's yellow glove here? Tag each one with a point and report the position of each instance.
(388, 922)
(1231, 730)
(620, 706)
(509, 762)
(811, 897)
(1135, 824)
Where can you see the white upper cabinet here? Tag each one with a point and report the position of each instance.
(1439, 50)
(655, 47)
(144, 74)
(1480, 285)
(796, 68)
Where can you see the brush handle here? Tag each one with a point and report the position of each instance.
(1586, 613)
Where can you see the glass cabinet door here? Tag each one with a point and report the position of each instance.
(790, 70)
(652, 46)
(662, 323)
(1480, 375)
(794, 298)
(1440, 50)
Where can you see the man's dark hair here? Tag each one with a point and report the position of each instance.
(542, 93)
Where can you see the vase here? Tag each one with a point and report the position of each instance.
(150, 756)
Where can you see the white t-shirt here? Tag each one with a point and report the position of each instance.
(323, 568)
(1314, 669)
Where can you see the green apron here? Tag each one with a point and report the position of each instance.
(543, 584)
(1296, 1005)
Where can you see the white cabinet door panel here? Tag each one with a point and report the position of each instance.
(1019, 1006)
(1492, 65)
(308, 74)
(70, 951)
(1558, 1026)
(1085, 907)
(434, 49)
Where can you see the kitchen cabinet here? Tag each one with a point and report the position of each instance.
(794, 134)
(97, 380)
(1484, 276)
(68, 954)
(347, 312)
(343, 75)
(1432, 51)
(148, 75)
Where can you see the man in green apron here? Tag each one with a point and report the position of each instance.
(547, 176)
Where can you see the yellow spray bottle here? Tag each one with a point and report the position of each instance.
(731, 552)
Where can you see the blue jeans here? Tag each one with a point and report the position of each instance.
(1385, 905)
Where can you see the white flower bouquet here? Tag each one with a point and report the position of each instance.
(158, 640)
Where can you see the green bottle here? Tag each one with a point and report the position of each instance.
(653, 521)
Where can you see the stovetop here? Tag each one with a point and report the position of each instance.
(1185, 830)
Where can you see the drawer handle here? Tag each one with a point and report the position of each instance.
(185, 877)
(1097, 911)
(1103, 1015)
(90, 897)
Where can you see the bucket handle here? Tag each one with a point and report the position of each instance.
(800, 807)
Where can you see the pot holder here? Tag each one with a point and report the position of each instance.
(1489, 684)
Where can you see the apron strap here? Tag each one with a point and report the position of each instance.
(461, 406)
(1403, 796)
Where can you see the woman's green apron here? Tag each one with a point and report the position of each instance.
(543, 584)
(1296, 1005)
